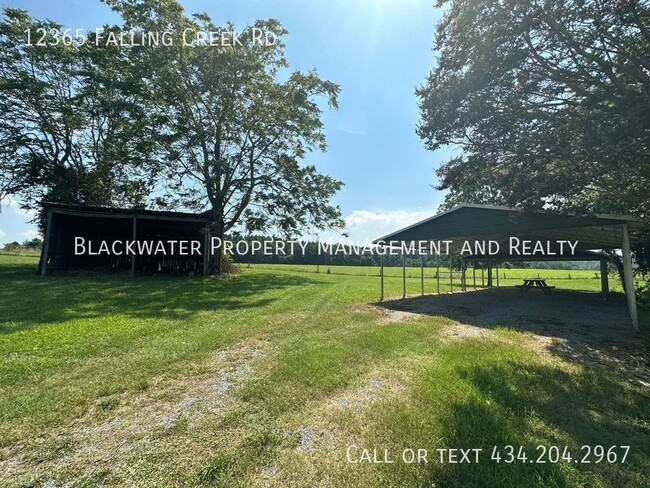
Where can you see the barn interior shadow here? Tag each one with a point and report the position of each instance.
(27, 300)
(576, 325)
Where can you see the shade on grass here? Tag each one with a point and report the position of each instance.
(270, 375)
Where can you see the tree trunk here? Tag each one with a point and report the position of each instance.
(219, 263)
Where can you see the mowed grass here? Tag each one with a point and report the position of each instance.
(266, 378)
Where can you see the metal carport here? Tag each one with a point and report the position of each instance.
(470, 222)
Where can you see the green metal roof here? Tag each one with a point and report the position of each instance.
(483, 222)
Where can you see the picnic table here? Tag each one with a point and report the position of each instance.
(535, 283)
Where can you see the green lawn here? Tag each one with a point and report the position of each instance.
(266, 378)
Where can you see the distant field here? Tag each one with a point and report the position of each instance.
(587, 280)
(269, 377)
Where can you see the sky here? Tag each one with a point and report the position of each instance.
(378, 51)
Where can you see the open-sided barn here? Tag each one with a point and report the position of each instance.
(113, 240)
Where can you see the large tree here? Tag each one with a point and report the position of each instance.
(547, 101)
(73, 122)
(238, 124)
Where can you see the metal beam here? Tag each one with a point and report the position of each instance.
(629, 278)
(451, 274)
(422, 273)
(381, 276)
(462, 274)
(116, 215)
(403, 274)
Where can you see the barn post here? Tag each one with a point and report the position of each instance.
(46, 244)
(497, 268)
(438, 273)
(135, 224)
(604, 279)
(403, 274)
(629, 278)
(381, 276)
(474, 273)
(482, 274)
(489, 273)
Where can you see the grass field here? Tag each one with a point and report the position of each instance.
(266, 378)
(587, 280)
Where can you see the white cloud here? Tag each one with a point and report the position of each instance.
(366, 225)
(2, 233)
(29, 214)
(30, 234)
(352, 130)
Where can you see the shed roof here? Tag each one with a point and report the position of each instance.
(87, 210)
(485, 222)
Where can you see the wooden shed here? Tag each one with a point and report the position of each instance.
(128, 241)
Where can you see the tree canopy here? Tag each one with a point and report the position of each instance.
(224, 128)
(73, 127)
(546, 100)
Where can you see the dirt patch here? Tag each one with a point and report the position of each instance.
(577, 326)
(137, 423)
(372, 390)
(318, 430)
(386, 315)
(465, 330)
(313, 438)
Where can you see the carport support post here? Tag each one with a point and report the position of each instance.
(497, 268)
(629, 278)
(604, 279)
(132, 270)
(381, 277)
(474, 274)
(438, 273)
(46, 244)
(489, 270)
(462, 274)
(403, 274)
(422, 273)
(451, 274)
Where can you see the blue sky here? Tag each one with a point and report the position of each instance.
(377, 50)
